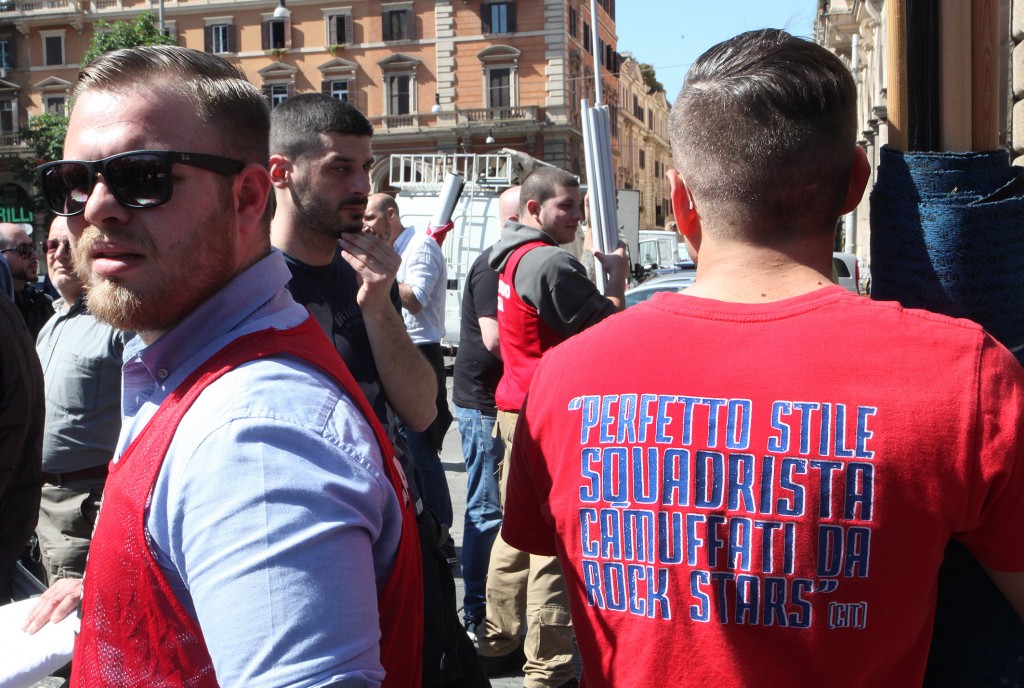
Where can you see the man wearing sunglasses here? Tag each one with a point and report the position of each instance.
(81, 359)
(255, 530)
(20, 253)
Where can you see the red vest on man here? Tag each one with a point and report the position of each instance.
(524, 335)
(135, 632)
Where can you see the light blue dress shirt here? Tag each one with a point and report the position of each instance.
(272, 516)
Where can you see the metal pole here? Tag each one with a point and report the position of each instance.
(850, 245)
(594, 42)
(161, 16)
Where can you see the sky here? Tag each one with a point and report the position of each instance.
(671, 34)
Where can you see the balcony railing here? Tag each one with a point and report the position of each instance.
(27, 6)
(12, 141)
(397, 121)
(502, 114)
(480, 118)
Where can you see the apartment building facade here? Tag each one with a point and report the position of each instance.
(644, 151)
(458, 76)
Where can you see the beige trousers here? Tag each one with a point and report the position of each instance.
(526, 585)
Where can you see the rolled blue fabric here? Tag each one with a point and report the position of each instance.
(947, 235)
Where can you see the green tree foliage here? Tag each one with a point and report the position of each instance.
(143, 30)
(46, 135)
(647, 72)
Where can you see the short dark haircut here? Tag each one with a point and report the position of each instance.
(224, 100)
(295, 123)
(763, 132)
(540, 185)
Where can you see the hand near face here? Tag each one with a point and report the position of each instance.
(375, 262)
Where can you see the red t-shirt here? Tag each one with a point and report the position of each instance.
(760, 494)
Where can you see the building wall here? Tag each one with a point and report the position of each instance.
(447, 57)
(855, 31)
(643, 145)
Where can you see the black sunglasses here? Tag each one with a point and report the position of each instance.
(137, 179)
(52, 245)
(23, 250)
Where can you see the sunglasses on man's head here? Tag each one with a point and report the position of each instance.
(23, 250)
(137, 179)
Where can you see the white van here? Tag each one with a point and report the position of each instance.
(846, 271)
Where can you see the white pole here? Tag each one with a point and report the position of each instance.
(850, 220)
(594, 43)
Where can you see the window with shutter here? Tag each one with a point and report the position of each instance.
(9, 49)
(399, 101)
(278, 94)
(499, 17)
(339, 29)
(6, 116)
(397, 25)
(220, 38)
(275, 34)
(53, 50)
(339, 91)
(499, 87)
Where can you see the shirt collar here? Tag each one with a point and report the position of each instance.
(403, 239)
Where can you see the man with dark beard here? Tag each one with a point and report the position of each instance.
(319, 165)
(255, 530)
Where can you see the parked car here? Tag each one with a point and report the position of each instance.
(671, 282)
(846, 271)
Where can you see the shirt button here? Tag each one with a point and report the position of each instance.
(162, 373)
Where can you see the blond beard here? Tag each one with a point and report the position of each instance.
(126, 309)
(108, 301)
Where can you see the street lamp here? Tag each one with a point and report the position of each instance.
(437, 102)
(490, 136)
(281, 12)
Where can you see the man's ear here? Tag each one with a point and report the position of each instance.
(687, 219)
(858, 179)
(280, 169)
(533, 210)
(252, 192)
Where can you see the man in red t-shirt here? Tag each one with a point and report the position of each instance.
(736, 494)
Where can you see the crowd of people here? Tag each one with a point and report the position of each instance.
(707, 489)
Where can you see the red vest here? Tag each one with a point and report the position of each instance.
(524, 335)
(135, 632)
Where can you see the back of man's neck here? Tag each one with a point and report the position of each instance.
(758, 275)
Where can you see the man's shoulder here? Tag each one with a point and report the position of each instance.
(420, 243)
(279, 390)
